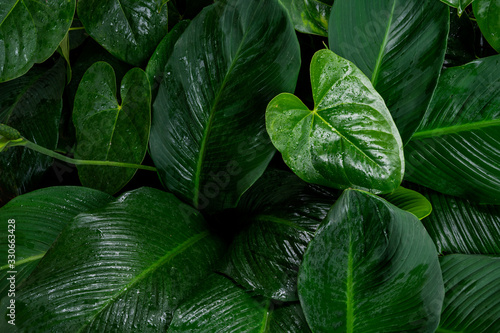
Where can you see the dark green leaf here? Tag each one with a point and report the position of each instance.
(129, 29)
(30, 31)
(285, 212)
(39, 218)
(109, 131)
(309, 16)
(411, 201)
(122, 268)
(460, 5)
(370, 268)
(400, 45)
(348, 140)
(456, 149)
(208, 136)
(487, 13)
(471, 303)
(32, 105)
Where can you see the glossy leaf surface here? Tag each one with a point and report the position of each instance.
(487, 13)
(348, 140)
(456, 149)
(367, 260)
(221, 306)
(410, 201)
(460, 5)
(400, 45)
(138, 258)
(109, 131)
(40, 216)
(309, 16)
(32, 105)
(129, 29)
(471, 304)
(208, 136)
(30, 31)
(282, 213)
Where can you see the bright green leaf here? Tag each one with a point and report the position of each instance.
(124, 267)
(109, 131)
(460, 5)
(129, 29)
(487, 13)
(370, 268)
(30, 31)
(456, 149)
(208, 136)
(309, 16)
(411, 201)
(400, 45)
(348, 140)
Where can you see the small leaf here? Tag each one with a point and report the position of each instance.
(109, 131)
(348, 140)
(411, 201)
(487, 13)
(460, 5)
(370, 268)
(309, 16)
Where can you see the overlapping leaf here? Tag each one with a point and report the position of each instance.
(109, 131)
(460, 5)
(411, 201)
(370, 267)
(208, 136)
(487, 13)
(348, 140)
(456, 149)
(309, 16)
(400, 45)
(124, 267)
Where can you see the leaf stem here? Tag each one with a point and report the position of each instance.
(76, 28)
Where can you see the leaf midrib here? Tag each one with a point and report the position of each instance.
(10, 11)
(454, 129)
(378, 63)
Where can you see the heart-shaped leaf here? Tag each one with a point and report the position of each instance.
(137, 258)
(370, 268)
(129, 29)
(221, 306)
(38, 218)
(456, 149)
(471, 303)
(460, 5)
(109, 131)
(487, 14)
(30, 31)
(309, 16)
(411, 201)
(208, 136)
(348, 140)
(32, 105)
(400, 45)
(283, 212)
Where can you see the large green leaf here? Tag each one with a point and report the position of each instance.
(30, 31)
(124, 267)
(129, 29)
(109, 131)
(221, 306)
(487, 13)
(208, 136)
(471, 303)
(461, 226)
(411, 201)
(348, 140)
(309, 16)
(370, 268)
(39, 218)
(31, 104)
(460, 5)
(456, 149)
(283, 212)
(400, 45)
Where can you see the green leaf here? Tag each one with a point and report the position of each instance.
(39, 218)
(129, 29)
(411, 201)
(32, 105)
(487, 13)
(461, 226)
(64, 50)
(309, 16)
(456, 149)
(109, 131)
(221, 306)
(208, 137)
(283, 213)
(30, 31)
(471, 303)
(124, 267)
(400, 45)
(460, 5)
(156, 65)
(348, 140)
(370, 268)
